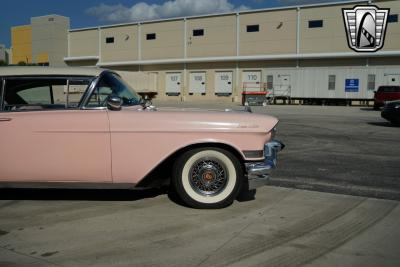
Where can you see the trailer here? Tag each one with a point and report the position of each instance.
(325, 85)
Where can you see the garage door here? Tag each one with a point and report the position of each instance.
(251, 81)
(223, 83)
(197, 83)
(173, 84)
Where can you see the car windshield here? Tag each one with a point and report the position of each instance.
(389, 89)
(112, 84)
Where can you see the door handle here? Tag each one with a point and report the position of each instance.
(5, 119)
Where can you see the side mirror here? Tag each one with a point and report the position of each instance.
(114, 103)
(146, 102)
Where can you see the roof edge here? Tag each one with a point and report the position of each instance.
(222, 14)
(252, 58)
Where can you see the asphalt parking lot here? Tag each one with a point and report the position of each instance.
(295, 221)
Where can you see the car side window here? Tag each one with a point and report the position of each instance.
(1, 91)
(111, 84)
(100, 95)
(27, 94)
(24, 94)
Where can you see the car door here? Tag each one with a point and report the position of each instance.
(44, 137)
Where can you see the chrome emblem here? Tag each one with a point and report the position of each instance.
(365, 27)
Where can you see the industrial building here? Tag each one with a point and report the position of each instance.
(43, 42)
(297, 52)
(4, 54)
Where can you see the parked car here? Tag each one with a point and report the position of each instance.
(386, 93)
(391, 112)
(86, 128)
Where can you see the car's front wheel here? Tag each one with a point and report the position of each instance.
(207, 178)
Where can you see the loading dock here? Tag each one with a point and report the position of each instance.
(173, 83)
(197, 83)
(223, 83)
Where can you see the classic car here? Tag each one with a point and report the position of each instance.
(391, 112)
(86, 128)
(386, 93)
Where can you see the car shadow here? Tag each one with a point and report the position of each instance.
(80, 194)
(383, 124)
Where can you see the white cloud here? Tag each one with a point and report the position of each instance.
(301, 2)
(173, 8)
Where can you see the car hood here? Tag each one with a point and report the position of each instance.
(193, 119)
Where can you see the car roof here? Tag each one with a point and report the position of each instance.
(41, 71)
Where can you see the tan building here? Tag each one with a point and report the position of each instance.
(299, 52)
(43, 42)
(4, 54)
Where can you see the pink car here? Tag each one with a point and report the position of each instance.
(86, 128)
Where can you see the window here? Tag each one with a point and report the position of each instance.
(393, 18)
(22, 94)
(198, 32)
(371, 82)
(332, 82)
(315, 23)
(270, 82)
(113, 84)
(389, 89)
(109, 40)
(151, 36)
(30, 94)
(253, 28)
(1, 93)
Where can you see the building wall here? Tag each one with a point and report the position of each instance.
(49, 39)
(168, 42)
(219, 37)
(3, 53)
(124, 47)
(84, 43)
(277, 33)
(392, 41)
(309, 80)
(21, 42)
(330, 38)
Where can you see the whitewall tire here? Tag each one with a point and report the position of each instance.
(207, 178)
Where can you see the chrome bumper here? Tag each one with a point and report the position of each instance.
(258, 172)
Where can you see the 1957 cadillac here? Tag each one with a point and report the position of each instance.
(85, 128)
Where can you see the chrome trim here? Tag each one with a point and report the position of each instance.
(67, 101)
(89, 91)
(255, 154)
(258, 172)
(2, 90)
(66, 185)
(208, 176)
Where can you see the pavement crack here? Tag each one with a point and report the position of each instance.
(319, 244)
(225, 243)
(30, 256)
(241, 251)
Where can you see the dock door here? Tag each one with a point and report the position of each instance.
(197, 83)
(223, 83)
(173, 84)
(252, 81)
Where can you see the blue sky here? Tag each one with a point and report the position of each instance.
(86, 13)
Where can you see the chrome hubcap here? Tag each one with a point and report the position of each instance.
(208, 177)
